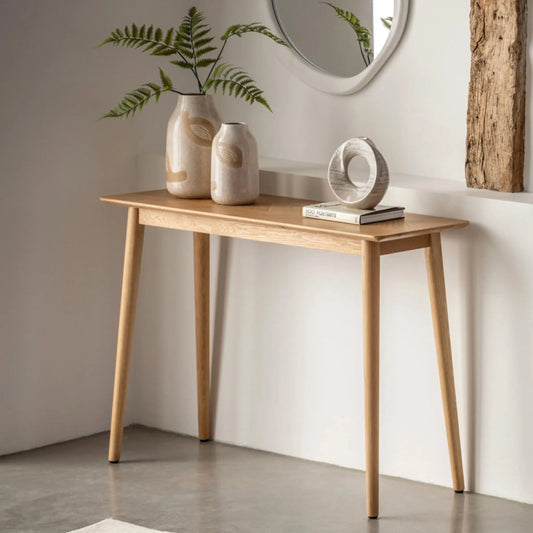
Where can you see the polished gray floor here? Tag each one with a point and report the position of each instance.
(175, 483)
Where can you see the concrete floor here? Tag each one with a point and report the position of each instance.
(175, 483)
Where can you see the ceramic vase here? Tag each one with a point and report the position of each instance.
(190, 133)
(234, 165)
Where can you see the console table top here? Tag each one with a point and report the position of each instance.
(282, 212)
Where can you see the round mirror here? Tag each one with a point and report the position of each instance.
(339, 46)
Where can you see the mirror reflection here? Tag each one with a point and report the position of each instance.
(341, 37)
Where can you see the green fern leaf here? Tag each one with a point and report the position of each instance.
(206, 62)
(153, 86)
(163, 50)
(202, 42)
(202, 33)
(387, 22)
(147, 40)
(199, 30)
(237, 82)
(204, 51)
(145, 91)
(149, 46)
(183, 64)
(193, 36)
(255, 27)
(183, 45)
(363, 34)
(185, 52)
(165, 80)
(111, 39)
(137, 99)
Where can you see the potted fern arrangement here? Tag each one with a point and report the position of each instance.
(195, 121)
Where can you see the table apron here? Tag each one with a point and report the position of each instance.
(259, 231)
(405, 244)
(247, 229)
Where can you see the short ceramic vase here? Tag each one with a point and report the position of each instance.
(234, 165)
(190, 133)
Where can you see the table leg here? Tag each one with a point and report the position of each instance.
(201, 300)
(371, 274)
(437, 292)
(128, 304)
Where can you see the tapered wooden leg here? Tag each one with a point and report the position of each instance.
(201, 298)
(128, 304)
(371, 270)
(437, 292)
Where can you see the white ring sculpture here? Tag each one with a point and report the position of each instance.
(351, 195)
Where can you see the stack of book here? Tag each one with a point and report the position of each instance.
(338, 212)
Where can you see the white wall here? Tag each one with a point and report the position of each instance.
(287, 373)
(60, 248)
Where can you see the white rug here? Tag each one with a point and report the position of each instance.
(115, 526)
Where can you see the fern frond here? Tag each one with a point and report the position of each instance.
(254, 27)
(202, 42)
(387, 22)
(202, 33)
(183, 64)
(185, 50)
(363, 34)
(206, 62)
(169, 37)
(165, 80)
(149, 40)
(191, 26)
(135, 100)
(238, 83)
(204, 51)
(192, 39)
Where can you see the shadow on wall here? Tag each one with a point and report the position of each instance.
(469, 268)
(224, 255)
(486, 304)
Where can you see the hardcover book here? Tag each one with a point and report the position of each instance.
(337, 212)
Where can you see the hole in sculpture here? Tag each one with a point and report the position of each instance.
(358, 171)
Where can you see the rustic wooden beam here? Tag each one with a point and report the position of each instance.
(496, 100)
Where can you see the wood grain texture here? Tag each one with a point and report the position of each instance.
(279, 214)
(371, 274)
(404, 245)
(496, 100)
(201, 306)
(439, 309)
(251, 230)
(128, 305)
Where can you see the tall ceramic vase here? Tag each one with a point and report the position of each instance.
(234, 165)
(190, 133)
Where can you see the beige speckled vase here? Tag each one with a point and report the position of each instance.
(234, 165)
(190, 133)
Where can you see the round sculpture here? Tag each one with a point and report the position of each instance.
(351, 195)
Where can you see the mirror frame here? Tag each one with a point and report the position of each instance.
(329, 83)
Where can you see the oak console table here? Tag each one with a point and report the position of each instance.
(279, 220)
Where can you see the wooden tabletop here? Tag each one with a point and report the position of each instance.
(287, 213)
